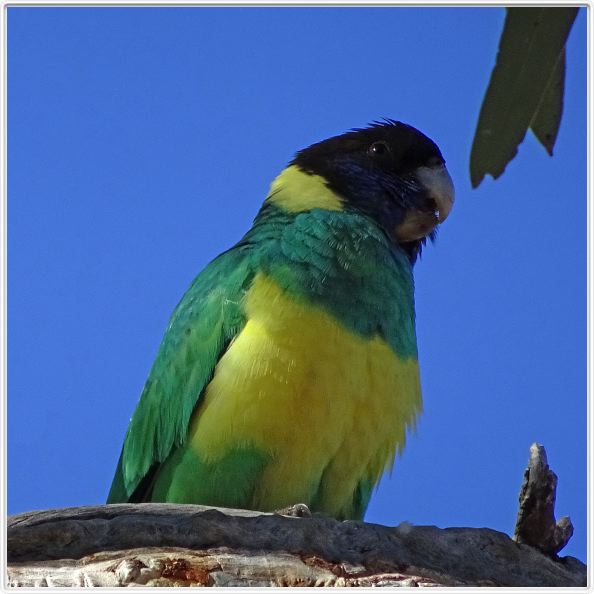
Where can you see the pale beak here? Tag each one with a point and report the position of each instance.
(440, 189)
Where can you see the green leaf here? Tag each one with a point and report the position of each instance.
(529, 51)
(547, 119)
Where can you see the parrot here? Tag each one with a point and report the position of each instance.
(288, 372)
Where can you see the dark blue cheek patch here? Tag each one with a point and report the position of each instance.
(378, 194)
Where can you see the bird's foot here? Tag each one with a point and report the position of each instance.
(299, 510)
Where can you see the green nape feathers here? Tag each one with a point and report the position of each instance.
(288, 372)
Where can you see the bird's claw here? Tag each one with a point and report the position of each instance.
(299, 510)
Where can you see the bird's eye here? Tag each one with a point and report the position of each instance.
(379, 149)
(435, 162)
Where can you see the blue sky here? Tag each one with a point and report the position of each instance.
(141, 144)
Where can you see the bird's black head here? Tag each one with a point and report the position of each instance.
(389, 171)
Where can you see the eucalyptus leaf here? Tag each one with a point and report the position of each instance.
(529, 52)
(547, 119)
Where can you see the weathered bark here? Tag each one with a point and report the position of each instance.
(165, 544)
(536, 525)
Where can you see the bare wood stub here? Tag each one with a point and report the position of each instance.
(536, 525)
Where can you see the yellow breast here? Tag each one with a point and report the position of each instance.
(331, 408)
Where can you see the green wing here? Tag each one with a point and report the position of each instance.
(201, 326)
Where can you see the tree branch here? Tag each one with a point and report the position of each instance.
(167, 544)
